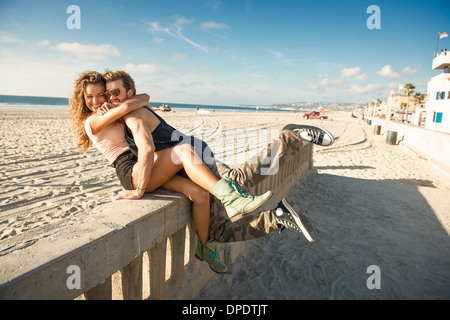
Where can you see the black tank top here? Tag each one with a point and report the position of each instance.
(164, 136)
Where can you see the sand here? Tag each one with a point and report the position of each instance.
(373, 204)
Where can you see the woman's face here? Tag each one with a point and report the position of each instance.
(94, 96)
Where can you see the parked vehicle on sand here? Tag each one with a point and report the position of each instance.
(316, 115)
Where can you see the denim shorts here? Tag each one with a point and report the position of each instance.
(125, 162)
(124, 167)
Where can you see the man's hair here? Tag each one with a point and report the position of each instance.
(127, 80)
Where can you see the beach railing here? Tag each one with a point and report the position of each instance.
(128, 249)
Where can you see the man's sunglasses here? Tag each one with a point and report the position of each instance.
(113, 92)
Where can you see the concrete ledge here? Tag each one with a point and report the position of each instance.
(128, 250)
(95, 245)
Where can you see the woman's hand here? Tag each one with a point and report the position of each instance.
(105, 108)
(130, 194)
(109, 113)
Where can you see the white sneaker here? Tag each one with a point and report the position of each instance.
(313, 134)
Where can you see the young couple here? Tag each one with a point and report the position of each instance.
(148, 153)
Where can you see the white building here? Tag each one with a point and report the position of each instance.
(438, 103)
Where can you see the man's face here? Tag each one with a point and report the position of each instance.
(118, 96)
(94, 96)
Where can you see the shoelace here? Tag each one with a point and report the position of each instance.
(286, 224)
(315, 136)
(239, 190)
(214, 255)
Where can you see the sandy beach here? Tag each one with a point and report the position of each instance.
(373, 204)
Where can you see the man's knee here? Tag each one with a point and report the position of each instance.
(184, 151)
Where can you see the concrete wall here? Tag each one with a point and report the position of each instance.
(432, 145)
(129, 250)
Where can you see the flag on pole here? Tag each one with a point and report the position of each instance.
(401, 86)
(440, 36)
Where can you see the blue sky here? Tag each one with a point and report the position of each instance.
(224, 52)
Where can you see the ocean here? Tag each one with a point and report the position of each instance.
(29, 102)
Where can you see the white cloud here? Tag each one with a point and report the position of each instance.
(178, 31)
(360, 89)
(183, 21)
(174, 30)
(313, 86)
(388, 72)
(393, 85)
(350, 72)
(195, 66)
(154, 27)
(214, 4)
(158, 40)
(88, 51)
(213, 25)
(289, 62)
(142, 68)
(61, 73)
(44, 43)
(323, 83)
(7, 38)
(353, 74)
(347, 74)
(412, 71)
(179, 57)
(280, 57)
(328, 82)
(276, 54)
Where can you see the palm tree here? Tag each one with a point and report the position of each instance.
(372, 109)
(419, 97)
(409, 89)
(378, 104)
(404, 106)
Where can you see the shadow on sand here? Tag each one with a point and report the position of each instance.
(394, 224)
(387, 223)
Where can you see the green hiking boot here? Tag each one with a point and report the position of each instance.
(235, 201)
(210, 255)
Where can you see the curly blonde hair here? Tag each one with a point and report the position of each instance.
(78, 110)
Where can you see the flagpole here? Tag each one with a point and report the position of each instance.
(437, 44)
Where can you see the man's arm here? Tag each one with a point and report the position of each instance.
(146, 152)
(109, 113)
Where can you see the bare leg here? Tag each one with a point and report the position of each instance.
(200, 204)
(182, 155)
(194, 167)
(163, 170)
(163, 175)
